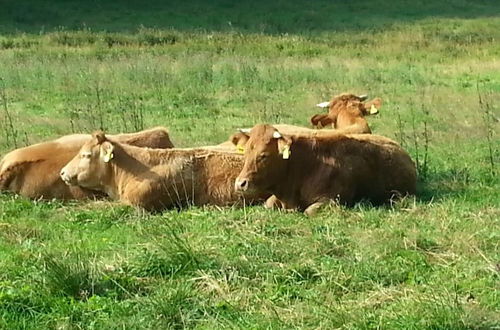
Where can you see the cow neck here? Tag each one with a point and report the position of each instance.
(129, 162)
(306, 163)
(299, 166)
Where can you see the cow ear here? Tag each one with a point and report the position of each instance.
(316, 120)
(99, 136)
(321, 120)
(107, 151)
(372, 107)
(284, 145)
(239, 138)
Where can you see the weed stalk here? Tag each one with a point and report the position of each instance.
(485, 107)
(9, 130)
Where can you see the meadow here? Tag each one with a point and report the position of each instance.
(203, 69)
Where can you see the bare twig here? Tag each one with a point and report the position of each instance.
(9, 130)
(485, 106)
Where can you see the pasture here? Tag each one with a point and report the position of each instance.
(202, 70)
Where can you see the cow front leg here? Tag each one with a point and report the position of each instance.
(275, 203)
(312, 209)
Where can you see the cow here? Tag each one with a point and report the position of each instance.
(347, 112)
(304, 172)
(156, 179)
(33, 171)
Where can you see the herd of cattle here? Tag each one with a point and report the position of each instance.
(283, 166)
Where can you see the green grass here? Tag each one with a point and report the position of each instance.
(429, 262)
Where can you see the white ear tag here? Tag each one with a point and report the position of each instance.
(276, 135)
(286, 152)
(373, 110)
(108, 156)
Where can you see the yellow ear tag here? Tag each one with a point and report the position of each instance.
(108, 156)
(240, 149)
(286, 152)
(373, 110)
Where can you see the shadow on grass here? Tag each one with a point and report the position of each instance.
(270, 17)
(446, 184)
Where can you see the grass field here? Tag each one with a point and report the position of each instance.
(203, 69)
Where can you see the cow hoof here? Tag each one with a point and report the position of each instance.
(272, 203)
(312, 209)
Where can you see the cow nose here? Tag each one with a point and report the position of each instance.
(64, 176)
(241, 185)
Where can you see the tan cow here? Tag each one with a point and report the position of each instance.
(305, 172)
(347, 112)
(156, 179)
(33, 171)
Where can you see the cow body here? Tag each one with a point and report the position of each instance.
(303, 171)
(33, 171)
(156, 179)
(347, 113)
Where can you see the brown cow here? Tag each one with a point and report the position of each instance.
(305, 172)
(347, 112)
(33, 171)
(155, 179)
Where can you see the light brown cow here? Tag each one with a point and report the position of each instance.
(305, 172)
(346, 113)
(156, 179)
(33, 171)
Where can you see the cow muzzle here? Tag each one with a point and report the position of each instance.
(241, 185)
(68, 179)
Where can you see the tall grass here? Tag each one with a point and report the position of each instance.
(10, 133)
(488, 119)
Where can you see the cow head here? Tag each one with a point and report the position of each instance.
(342, 100)
(265, 160)
(347, 100)
(91, 166)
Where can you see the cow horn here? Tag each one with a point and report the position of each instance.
(363, 97)
(323, 104)
(244, 130)
(276, 135)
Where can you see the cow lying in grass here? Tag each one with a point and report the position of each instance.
(305, 172)
(156, 179)
(347, 112)
(33, 171)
